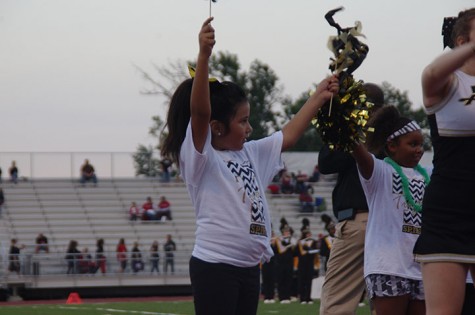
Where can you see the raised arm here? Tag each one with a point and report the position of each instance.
(364, 160)
(437, 77)
(295, 128)
(200, 105)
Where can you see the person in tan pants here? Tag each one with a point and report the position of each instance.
(344, 283)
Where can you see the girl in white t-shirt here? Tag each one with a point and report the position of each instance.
(226, 177)
(394, 189)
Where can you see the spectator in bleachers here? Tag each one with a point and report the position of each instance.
(165, 164)
(306, 200)
(315, 175)
(41, 244)
(274, 188)
(88, 173)
(14, 257)
(136, 259)
(72, 257)
(85, 263)
(148, 212)
(13, 172)
(100, 257)
(121, 252)
(134, 211)
(154, 257)
(169, 247)
(286, 186)
(301, 182)
(2, 201)
(164, 210)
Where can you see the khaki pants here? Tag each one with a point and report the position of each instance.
(344, 282)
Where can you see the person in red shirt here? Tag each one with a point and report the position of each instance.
(148, 210)
(122, 255)
(164, 209)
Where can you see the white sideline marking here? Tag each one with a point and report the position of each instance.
(113, 310)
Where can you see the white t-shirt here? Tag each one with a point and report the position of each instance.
(393, 227)
(227, 189)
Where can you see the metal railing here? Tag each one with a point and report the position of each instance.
(68, 164)
(62, 264)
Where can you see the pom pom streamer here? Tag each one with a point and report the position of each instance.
(342, 121)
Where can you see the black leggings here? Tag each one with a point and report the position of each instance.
(222, 289)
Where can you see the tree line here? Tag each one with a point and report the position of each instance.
(270, 107)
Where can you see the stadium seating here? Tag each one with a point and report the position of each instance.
(64, 210)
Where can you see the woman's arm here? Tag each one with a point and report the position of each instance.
(295, 128)
(200, 105)
(438, 76)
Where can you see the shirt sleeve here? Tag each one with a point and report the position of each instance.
(192, 162)
(267, 154)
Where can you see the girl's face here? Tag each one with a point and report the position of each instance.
(407, 151)
(239, 130)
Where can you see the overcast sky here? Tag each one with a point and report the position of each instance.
(67, 75)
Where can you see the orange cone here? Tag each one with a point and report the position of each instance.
(74, 298)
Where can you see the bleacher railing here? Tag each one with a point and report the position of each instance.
(68, 164)
(62, 264)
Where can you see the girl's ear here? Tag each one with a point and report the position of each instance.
(391, 147)
(217, 128)
(460, 40)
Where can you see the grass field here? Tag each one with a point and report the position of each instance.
(151, 308)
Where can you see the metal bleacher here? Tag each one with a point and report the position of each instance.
(64, 210)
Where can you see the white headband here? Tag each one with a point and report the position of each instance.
(410, 127)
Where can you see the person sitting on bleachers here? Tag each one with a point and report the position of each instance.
(88, 173)
(148, 210)
(286, 186)
(134, 211)
(164, 210)
(300, 184)
(41, 244)
(306, 200)
(316, 175)
(86, 264)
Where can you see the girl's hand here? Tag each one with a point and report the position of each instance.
(327, 88)
(206, 38)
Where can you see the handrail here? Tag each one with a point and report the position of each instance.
(47, 264)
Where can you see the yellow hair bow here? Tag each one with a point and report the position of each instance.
(192, 72)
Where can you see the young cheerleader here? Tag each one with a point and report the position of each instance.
(394, 189)
(208, 123)
(446, 247)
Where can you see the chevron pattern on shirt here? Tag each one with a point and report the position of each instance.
(416, 188)
(245, 173)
